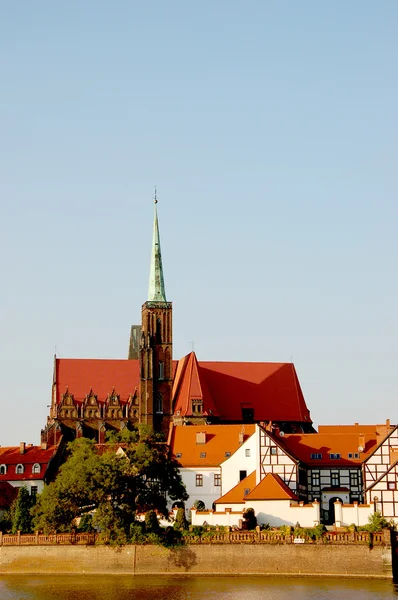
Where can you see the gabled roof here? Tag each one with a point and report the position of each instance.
(237, 494)
(306, 447)
(11, 457)
(220, 440)
(271, 390)
(190, 385)
(272, 487)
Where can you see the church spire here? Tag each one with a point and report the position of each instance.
(156, 292)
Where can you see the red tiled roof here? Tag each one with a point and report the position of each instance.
(272, 487)
(219, 440)
(11, 457)
(304, 445)
(272, 390)
(237, 494)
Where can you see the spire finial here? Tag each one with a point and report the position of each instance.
(156, 200)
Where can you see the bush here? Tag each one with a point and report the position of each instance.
(86, 523)
(151, 522)
(377, 522)
(181, 522)
(199, 505)
(249, 518)
(286, 530)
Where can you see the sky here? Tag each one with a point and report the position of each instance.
(270, 131)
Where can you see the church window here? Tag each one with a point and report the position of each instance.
(161, 370)
(36, 468)
(199, 480)
(3, 469)
(19, 469)
(159, 403)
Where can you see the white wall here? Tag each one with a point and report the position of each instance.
(240, 462)
(39, 483)
(208, 493)
(347, 514)
(273, 512)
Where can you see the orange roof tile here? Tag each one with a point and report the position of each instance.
(220, 439)
(306, 446)
(272, 487)
(272, 390)
(237, 494)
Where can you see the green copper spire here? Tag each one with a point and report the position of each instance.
(156, 292)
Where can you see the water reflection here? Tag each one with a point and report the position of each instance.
(153, 587)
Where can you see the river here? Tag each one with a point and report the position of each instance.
(116, 587)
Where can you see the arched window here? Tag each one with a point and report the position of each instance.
(3, 469)
(161, 370)
(19, 469)
(36, 468)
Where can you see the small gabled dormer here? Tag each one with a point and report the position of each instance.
(19, 469)
(36, 468)
(113, 408)
(3, 469)
(91, 408)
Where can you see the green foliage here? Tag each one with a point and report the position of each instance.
(181, 522)
(286, 530)
(151, 522)
(319, 530)
(199, 505)
(250, 519)
(138, 479)
(377, 522)
(86, 524)
(197, 530)
(20, 511)
(137, 532)
(6, 522)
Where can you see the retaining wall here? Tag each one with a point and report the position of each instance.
(303, 559)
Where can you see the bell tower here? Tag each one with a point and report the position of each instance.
(156, 345)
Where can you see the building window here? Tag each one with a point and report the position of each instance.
(3, 469)
(197, 406)
(203, 455)
(161, 370)
(217, 479)
(391, 485)
(316, 480)
(274, 450)
(227, 454)
(247, 452)
(335, 482)
(159, 403)
(33, 490)
(179, 455)
(242, 475)
(248, 415)
(316, 456)
(36, 468)
(354, 479)
(246, 491)
(353, 455)
(199, 480)
(335, 456)
(19, 469)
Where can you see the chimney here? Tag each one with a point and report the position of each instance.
(241, 437)
(44, 445)
(200, 437)
(22, 448)
(388, 423)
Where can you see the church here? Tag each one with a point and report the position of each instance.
(93, 396)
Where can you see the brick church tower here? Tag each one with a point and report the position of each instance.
(156, 367)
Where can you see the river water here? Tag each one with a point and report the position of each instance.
(116, 587)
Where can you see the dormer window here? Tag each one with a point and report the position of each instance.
(197, 406)
(36, 468)
(19, 469)
(203, 455)
(316, 456)
(3, 469)
(335, 456)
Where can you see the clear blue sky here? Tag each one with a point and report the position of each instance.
(270, 131)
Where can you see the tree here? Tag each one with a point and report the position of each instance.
(135, 474)
(21, 519)
(181, 520)
(250, 520)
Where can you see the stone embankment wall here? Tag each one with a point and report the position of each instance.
(278, 559)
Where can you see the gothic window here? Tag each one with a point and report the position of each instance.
(161, 370)
(159, 403)
(36, 468)
(19, 469)
(3, 469)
